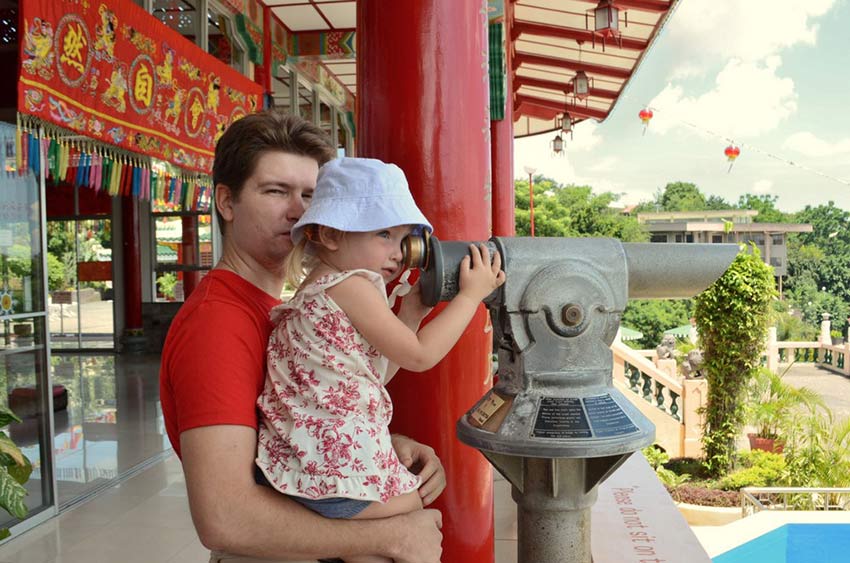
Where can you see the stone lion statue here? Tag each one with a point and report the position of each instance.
(692, 366)
(667, 349)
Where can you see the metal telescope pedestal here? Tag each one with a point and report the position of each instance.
(554, 425)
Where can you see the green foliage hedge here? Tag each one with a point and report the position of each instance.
(731, 318)
(759, 469)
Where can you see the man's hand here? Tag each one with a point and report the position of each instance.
(421, 539)
(421, 460)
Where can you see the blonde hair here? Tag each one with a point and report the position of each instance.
(297, 264)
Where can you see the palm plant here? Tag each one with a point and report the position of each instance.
(818, 453)
(774, 407)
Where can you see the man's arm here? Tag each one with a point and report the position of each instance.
(233, 514)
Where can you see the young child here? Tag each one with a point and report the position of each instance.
(324, 439)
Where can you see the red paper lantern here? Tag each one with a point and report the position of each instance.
(732, 152)
(645, 116)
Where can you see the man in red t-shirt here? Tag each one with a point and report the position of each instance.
(213, 367)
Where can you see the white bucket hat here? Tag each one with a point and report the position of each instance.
(359, 195)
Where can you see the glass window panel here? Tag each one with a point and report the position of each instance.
(282, 91)
(81, 286)
(305, 102)
(22, 381)
(342, 134)
(21, 289)
(325, 118)
(179, 15)
(182, 255)
(23, 368)
(220, 40)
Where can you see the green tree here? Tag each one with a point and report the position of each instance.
(572, 211)
(653, 316)
(766, 206)
(830, 228)
(819, 264)
(731, 318)
(60, 237)
(717, 203)
(804, 261)
(682, 196)
(55, 272)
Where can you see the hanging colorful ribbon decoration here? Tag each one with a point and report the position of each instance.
(732, 152)
(645, 116)
(99, 167)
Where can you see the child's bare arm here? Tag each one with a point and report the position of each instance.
(368, 312)
(412, 312)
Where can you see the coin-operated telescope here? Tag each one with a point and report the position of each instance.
(554, 425)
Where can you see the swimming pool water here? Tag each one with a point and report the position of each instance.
(794, 543)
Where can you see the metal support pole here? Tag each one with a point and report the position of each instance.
(553, 512)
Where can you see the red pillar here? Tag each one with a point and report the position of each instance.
(422, 90)
(189, 251)
(502, 148)
(263, 72)
(132, 264)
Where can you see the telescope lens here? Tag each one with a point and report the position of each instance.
(415, 251)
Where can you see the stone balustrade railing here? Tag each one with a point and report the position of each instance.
(823, 353)
(669, 400)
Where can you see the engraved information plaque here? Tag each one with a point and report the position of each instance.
(607, 418)
(561, 417)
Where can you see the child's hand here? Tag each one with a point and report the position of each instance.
(478, 277)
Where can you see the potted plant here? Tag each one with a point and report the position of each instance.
(773, 407)
(15, 470)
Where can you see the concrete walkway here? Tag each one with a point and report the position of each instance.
(833, 387)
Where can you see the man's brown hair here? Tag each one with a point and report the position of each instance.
(247, 139)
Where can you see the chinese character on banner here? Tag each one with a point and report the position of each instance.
(142, 84)
(72, 38)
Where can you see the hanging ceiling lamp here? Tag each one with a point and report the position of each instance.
(606, 22)
(581, 85)
(557, 145)
(567, 125)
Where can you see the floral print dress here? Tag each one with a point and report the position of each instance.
(325, 411)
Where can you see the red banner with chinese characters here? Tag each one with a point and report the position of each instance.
(112, 72)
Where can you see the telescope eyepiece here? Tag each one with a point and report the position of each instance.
(416, 251)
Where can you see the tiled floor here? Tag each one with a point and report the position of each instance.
(146, 520)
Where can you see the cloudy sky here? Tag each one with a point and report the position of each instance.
(774, 75)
